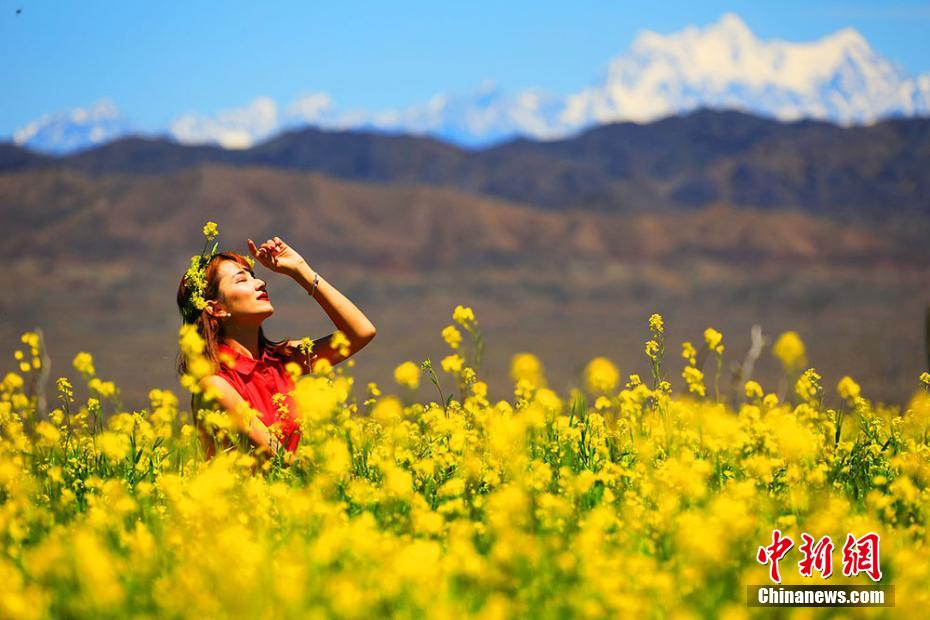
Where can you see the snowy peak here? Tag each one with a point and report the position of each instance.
(75, 129)
(477, 118)
(838, 77)
(728, 52)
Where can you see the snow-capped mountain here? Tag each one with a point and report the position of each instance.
(475, 119)
(231, 129)
(73, 130)
(839, 78)
(723, 65)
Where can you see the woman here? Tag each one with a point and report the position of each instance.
(250, 368)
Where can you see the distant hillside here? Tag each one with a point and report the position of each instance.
(60, 215)
(690, 161)
(14, 158)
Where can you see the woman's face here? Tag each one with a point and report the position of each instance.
(242, 295)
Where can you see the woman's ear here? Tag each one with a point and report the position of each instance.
(215, 310)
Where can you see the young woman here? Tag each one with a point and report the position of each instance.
(250, 368)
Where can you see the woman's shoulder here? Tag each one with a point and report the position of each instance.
(219, 381)
(215, 388)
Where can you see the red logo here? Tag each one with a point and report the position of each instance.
(816, 556)
(860, 555)
(773, 553)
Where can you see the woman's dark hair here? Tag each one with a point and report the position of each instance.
(209, 327)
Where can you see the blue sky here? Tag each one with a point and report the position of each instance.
(157, 60)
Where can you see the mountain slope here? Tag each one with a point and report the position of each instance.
(63, 215)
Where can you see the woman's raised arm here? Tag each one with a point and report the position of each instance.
(279, 257)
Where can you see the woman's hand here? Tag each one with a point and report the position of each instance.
(277, 256)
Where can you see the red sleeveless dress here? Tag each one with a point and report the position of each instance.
(257, 380)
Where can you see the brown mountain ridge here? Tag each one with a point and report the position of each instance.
(692, 160)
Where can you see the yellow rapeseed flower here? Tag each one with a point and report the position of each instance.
(321, 366)
(656, 324)
(114, 446)
(795, 440)
(848, 389)
(12, 382)
(190, 342)
(527, 367)
(340, 342)
(548, 399)
(695, 380)
(294, 370)
(48, 433)
(84, 363)
(452, 363)
(601, 375)
(210, 231)
(65, 391)
(753, 390)
(306, 345)
(464, 316)
(808, 385)
(789, 349)
(106, 389)
(452, 336)
(31, 339)
(408, 375)
(714, 340)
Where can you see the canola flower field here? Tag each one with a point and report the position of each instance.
(619, 499)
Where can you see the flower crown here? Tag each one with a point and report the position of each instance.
(195, 278)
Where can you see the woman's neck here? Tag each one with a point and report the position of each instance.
(242, 338)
